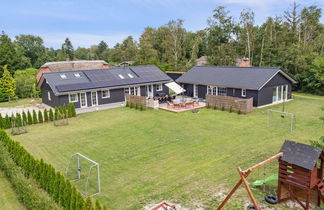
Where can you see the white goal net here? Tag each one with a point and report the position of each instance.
(84, 173)
(281, 119)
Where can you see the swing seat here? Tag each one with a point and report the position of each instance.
(263, 181)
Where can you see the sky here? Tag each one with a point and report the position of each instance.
(87, 22)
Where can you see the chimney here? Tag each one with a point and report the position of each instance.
(244, 62)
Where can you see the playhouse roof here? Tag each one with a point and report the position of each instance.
(299, 154)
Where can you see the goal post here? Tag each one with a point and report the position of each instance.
(84, 173)
(281, 119)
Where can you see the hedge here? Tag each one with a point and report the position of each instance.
(46, 177)
(40, 117)
(26, 189)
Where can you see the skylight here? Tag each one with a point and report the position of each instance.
(130, 75)
(63, 76)
(121, 76)
(77, 75)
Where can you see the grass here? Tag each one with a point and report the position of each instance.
(25, 102)
(8, 198)
(146, 157)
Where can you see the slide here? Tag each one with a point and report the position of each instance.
(263, 181)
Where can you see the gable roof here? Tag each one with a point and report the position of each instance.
(232, 76)
(299, 154)
(75, 65)
(102, 78)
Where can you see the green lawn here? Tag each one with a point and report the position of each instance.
(25, 102)
(8, 198)
(187, 158)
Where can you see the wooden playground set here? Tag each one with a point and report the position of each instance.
(300, 176)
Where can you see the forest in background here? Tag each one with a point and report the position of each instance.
(293, 41)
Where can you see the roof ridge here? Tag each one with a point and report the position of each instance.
(253, 67)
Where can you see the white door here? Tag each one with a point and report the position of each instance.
(195, 91)
(83, 100)
(94, 98)
(149, 89)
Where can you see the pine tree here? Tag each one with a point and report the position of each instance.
(40, 116)
(24, 118)
(7, 122)
(67, 194)
(56, 113)
(35, 121)
(69, 111)
(73, 199)
(98, 205)
(1, 121)
(80, 201)
(7, 84)
(18, 120)
(64, 111)
(29, 118)
(73, 110)
(105, 207)
(51, 115)
(45, 115)
(88, 205)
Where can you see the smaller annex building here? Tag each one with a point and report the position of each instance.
(265, 85)
(86, 88)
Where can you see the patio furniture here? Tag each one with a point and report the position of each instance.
(170, 104)
(190, 103)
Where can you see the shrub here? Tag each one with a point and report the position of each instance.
(45, 115)
(239, 111)
(35, 121)
(51, 115)
(98, 205)
(141, 108)
(64, 111)
(17, 120)
(29, 118)
(136, 106)
(208, 106)
(24, 118)
(56, 113)
(7, 122)
(1, 121)
(71, 110)
(223, 107)
(231, 109)
(131, 105)
(215, 107)
(127, 104)
(40, 116)
(88, 205)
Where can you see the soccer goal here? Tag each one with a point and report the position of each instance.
(281, 119)
(84, 173)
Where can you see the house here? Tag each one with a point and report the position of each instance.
(265, 85)
(70, 66)
(95, 87)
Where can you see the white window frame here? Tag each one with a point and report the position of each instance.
(63, 76)
(130, 75)
(195, 91)
(97, 103)
(76, 100)
(243, 92)
(159, 87)
(49, 95)
(221, 91)
(108, 94)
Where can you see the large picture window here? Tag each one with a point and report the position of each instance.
(73, 98)
(217, 91)
(279, 93)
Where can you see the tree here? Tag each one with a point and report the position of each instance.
(51, 115)
(29, 118)
(147, 54)
(247, 21)
(32, 47)
(24, 118)
(98, 205)
(35, 120)
(40, 116)
(88, 204)
(45, 115)
(7, 84)
(25, 82)
(67, 49)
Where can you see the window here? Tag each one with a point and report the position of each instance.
(221, 91)
(243, 92)
(130, 75)
(77, 75)
(217, 91)
(121, 76)
(49, 96)
(105, 94)
(63, 76)
(159, 87)
(73, 98)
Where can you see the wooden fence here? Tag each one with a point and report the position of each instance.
(244, 105)
(136, 100)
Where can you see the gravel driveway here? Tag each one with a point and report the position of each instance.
(14, 110)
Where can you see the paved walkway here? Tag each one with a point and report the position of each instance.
(13, 110)
(100, 107)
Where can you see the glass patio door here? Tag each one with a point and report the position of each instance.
(94, 98)
(83, 100)
(149, 90)
(195, 91)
